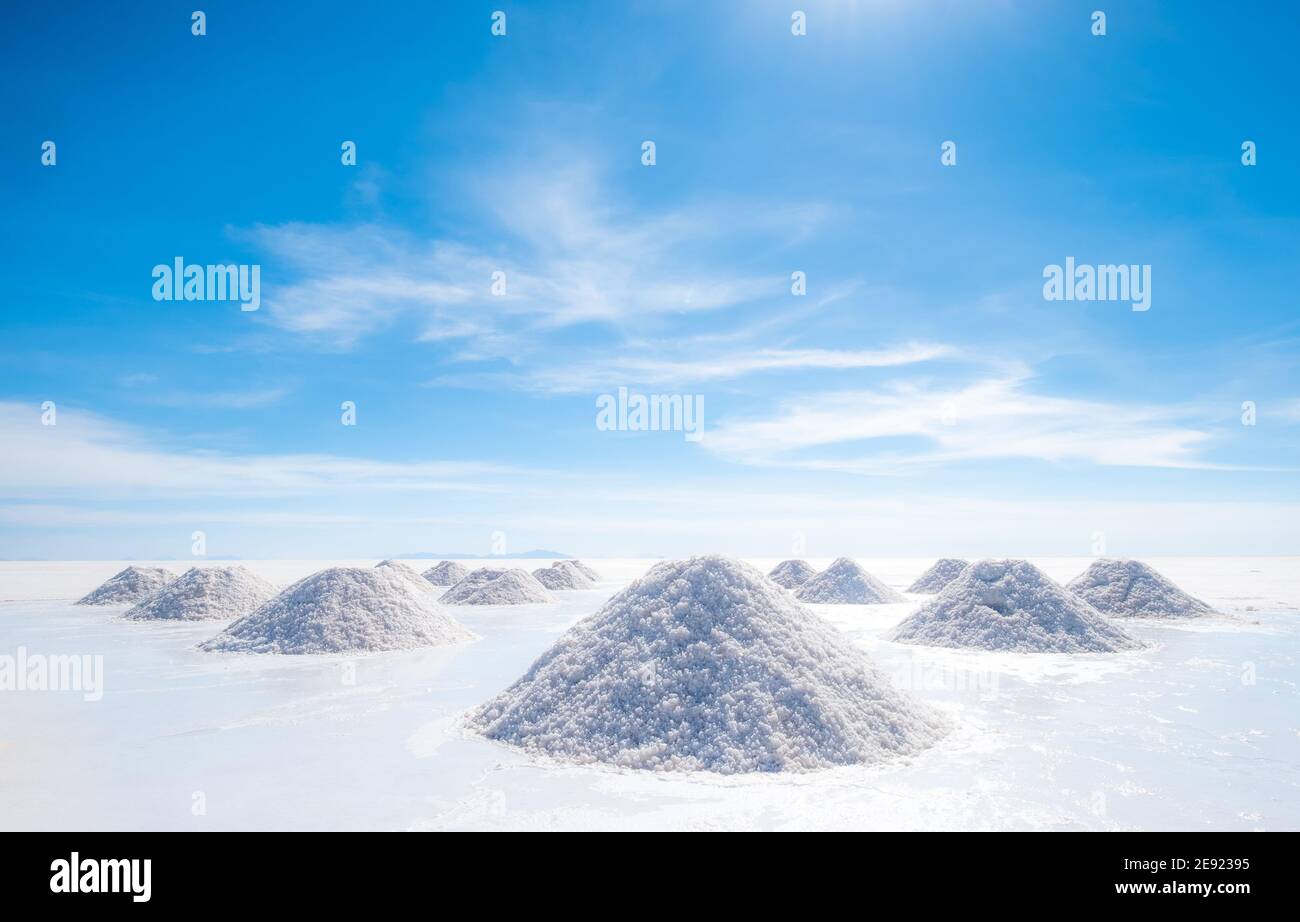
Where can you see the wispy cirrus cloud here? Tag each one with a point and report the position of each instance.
(1287, 410)
(906, 426)
(146, 388)
(89, 455)
(570, 256)
(650, 370)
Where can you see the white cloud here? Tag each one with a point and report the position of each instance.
(93, 476)
(89, 455)
(1000, 418)
(211, 400)
(644, 370)
(1287, 410)
(569, 256)
(54, 515)
(351, 281)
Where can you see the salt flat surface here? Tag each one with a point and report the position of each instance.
(1199, 731)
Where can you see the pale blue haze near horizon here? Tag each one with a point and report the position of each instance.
(923, 398)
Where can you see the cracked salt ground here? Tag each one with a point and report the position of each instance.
(1167, 737)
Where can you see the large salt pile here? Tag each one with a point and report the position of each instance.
(446, 573)
(585, 570)
(487, 586)
(129, 586)
(205, 594)
(846, 583)
(704, 664)
(563, 575)
(343, 610)
(1130, 588)
(1011, 605)
(943, 572)
(791, 574)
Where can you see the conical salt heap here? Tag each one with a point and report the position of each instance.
(488, 586)
(704, 664)
(129, 586)
(563, 575)
(411, 575)
(399, 565)
(584, 570)
(205, 594)
(791, 574)
(446, 573)
(343, 610)
(1011, 605)
(846, 583)
(1130, 588)
(941, 573)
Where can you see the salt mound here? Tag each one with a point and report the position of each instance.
(1130, 588)
(476, 579)
(585, 570)
(410, 575)
(399, 565)
(943, 572)
(1011, 605)
(129, 586)
(846, 583)
(791, 574)
(563, 575)
(343, 610)
(205, 594)
(704, 664)
(487, 586)
(446, 573)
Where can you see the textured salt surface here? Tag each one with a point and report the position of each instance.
(792, 573)
(343, 610)
(475, 579)
(943, 572)
(563, 575)
(1130, 588)
(446, 573)
(129, 586)
(410, 576)
(487, 586)
(585, 570)
(704, 664)
(1011, 605)
(205, 594)
(846, 583)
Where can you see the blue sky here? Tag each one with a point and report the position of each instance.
(921, 398)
